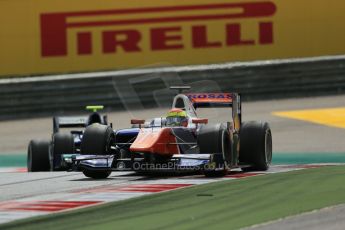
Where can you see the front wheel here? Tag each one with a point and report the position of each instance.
(215, 140)
(256, 145)
(97, 140)
(96, 174)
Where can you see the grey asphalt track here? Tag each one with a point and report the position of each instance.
(22, 185)
(289, 136)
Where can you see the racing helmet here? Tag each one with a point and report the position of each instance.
(177, 117)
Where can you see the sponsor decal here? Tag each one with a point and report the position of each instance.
(166, 26)
(210, 96)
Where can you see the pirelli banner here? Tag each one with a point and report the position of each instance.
(45, 36)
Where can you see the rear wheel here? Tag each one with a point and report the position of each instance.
(63, 143)
(256, 145)
(97, 140)
(38, 159)
(215, 140)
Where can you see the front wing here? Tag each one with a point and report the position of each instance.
(189, 162)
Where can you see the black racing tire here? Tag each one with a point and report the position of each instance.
(215, 139)
(63, 143)
(256, 145)
(96, 174)
(209, 138)
(97, 140)
(38, 159)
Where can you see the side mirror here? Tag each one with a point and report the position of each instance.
(200, 121)
(137, 122)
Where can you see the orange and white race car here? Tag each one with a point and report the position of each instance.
(179, 141)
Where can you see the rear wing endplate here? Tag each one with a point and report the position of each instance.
(69, 122)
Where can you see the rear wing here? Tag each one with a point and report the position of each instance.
(69, 122)
(206, 100)
(80, 121)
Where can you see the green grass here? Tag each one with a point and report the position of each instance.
(230, 204)
(13, 160)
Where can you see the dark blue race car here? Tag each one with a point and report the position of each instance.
(45, 155)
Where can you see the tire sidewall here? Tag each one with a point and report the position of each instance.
(38, 156)
(256, 145)
(62, 143)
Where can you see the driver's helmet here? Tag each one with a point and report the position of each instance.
(177, 117)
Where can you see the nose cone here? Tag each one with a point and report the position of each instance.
(158, 140)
